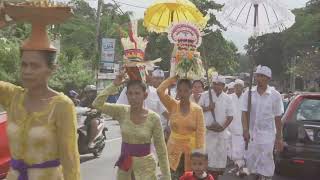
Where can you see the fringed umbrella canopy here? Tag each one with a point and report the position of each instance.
(257, 16)
(163, 13)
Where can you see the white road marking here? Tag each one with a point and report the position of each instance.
(115, 139)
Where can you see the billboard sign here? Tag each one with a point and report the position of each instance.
(108, 50)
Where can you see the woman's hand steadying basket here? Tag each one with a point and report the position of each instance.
(120, 78)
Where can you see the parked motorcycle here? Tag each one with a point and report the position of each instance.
(85, 116)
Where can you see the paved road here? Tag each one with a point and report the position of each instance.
(103, 167)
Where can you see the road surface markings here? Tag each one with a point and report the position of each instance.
(115, 139)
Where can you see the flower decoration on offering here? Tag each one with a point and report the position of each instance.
(39, 13)
(187, 38)
(134, 48)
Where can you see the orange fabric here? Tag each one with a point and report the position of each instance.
(190, 126)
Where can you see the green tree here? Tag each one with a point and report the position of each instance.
(159, 46)
(264, 45)
(244, 63)
(72, 74)
(219, 53)
(9, 60)
(276, 50)
(79, 33)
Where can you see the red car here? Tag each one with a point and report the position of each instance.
(4, 149)
(301, 133)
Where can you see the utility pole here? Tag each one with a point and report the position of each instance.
(100, 2)
(292, 74)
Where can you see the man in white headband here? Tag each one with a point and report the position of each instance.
(230, 88)
(149, 79)
(216, 144)
(237, 143)
(157, 77)
(264, 130)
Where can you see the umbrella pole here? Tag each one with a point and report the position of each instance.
(255, 24)
(208, 82)
(210, 94)
(250, 93)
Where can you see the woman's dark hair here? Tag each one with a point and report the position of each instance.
(198, 81)
(141, 84)
(49, 56)
(185, 81)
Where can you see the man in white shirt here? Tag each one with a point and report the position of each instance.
(230, 88)
(235, 128)
(157, 77)
(263, 131)
(216, 143)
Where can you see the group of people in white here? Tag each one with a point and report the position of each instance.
(247, 138)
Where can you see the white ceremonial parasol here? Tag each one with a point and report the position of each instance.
(256, 16)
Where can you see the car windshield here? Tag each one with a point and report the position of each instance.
(1, 109)
(309, 110)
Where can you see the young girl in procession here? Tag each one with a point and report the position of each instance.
(41, 121)
(187, 125)
(138, 127)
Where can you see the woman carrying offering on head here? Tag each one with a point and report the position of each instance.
(186, 122)
(41, 121)
(138, 127)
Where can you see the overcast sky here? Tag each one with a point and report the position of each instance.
(240, 38)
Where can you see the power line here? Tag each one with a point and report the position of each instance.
(118, 7)
(127, 4)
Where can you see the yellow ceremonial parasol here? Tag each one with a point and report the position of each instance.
(162, 13)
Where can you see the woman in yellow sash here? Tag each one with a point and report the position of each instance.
(186, 122)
